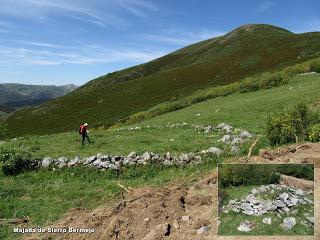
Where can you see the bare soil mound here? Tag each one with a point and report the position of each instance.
(174, 212)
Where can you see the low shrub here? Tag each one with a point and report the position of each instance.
(247, 174)
(258, 174)
(314, 133)
(305, 171)
(289, 125)
(315, 66)
(16, 159)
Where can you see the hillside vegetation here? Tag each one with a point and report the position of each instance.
(246, 51)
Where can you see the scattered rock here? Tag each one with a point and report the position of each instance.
(245, 226)
(284, 196)
(208, 129)
(225, 139)
(61, 165)
(74, 161)
(245, 135)
(132, 155)
(175, 224)
(310, 219)
(97, 163)
(185, 218)
(46, 162)
(294, 200)
(203, 230)
(289, 222)
(234, 150)
(146, 156)
(89, 160)
(237, 141)
(158, 232)
(286, 209)
(215, 151)
(267, 220)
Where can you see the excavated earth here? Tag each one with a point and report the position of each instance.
(180, 210)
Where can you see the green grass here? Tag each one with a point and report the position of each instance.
(230, 221)
(122, 143)
(237, 192)
(214, 62)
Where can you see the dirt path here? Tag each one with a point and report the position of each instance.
(179, 210)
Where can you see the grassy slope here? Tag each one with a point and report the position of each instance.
(249, 110)
(52, 193)
(245, 51)
(230, 221)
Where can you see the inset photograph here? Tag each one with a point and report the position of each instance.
(266, 199)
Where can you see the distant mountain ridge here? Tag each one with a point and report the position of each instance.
(245, 51)
(14, 95)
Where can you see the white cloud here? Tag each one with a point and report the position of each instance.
(42, 62)
(77, 55)
(39, 44)
(101, 13)
(265, 6)
(139, 8)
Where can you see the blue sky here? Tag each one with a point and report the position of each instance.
(73, 41)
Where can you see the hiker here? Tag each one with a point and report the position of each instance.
(84, 133)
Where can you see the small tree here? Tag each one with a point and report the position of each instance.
(289, 125)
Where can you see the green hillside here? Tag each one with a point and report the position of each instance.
(246, 51)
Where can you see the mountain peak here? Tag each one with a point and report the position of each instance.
(254, 29)
(260, 27)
